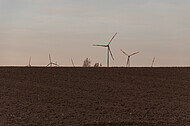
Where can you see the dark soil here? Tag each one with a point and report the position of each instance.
(94, 96)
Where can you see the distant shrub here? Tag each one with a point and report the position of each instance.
(97, 65)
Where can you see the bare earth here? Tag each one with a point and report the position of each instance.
(94, 96)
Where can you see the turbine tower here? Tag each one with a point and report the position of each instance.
(153, 62)
(108, 49)
(51, 63)
(128, 59)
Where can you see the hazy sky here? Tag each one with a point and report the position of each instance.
(68, 28)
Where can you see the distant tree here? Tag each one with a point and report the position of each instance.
(87, 62)
(97, 65)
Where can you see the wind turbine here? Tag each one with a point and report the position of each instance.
(72, 63)
(153, 62)
(109, 49)
(51, 63)
(29, 63)
(128, 59)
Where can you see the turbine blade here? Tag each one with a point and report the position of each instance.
(111, 53)
(123, 52)
(49, 58)
(48, 65)
(153, 62)
(29, 61)
(100, 45)
(55, 64)
(112, 38)
(134, 53)
(72, 62)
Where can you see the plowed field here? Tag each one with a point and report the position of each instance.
(94, 96)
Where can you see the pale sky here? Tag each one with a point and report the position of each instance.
(67, 29)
